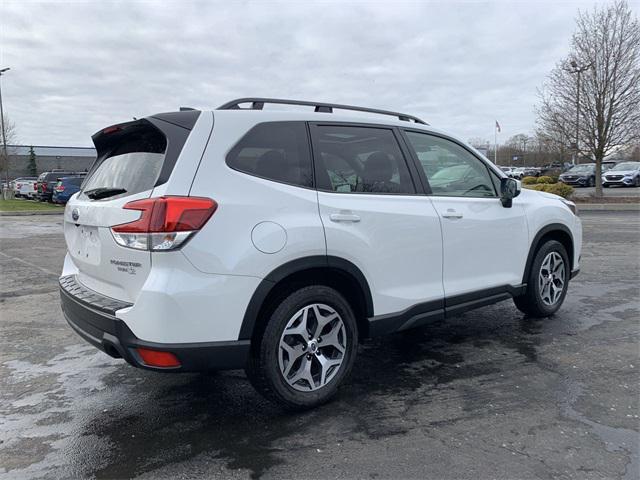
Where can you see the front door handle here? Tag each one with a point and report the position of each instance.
(451, 213)
(344, 217)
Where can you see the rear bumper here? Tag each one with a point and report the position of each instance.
(92, 316)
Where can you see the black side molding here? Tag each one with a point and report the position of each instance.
(427, 312)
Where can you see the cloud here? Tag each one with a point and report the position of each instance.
(79, 66)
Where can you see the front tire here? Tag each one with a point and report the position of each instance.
(307, 349)
(548, 281)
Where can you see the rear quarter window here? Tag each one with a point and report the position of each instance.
(277, 151)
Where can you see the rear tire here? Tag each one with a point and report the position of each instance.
(301, 369)
(548, 281)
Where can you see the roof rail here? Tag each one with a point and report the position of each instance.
(258, 104)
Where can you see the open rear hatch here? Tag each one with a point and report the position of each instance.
(132, 158)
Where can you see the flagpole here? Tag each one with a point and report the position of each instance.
(495, 143)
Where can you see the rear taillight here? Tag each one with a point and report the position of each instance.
(60, 188)
(43, 185)
(165, 223)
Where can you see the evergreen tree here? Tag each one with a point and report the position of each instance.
(33, 168)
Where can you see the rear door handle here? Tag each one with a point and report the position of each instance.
(344, 217)
(451, 213)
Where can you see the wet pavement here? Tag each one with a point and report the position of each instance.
(489, 394)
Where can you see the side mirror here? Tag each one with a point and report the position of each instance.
(509, 189)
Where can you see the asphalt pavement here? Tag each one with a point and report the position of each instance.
(488, 395)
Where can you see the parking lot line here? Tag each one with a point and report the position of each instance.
(33, 265)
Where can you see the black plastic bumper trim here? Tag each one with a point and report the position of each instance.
(111, 335)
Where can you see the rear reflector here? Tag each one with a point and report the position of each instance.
(165, 223)
(156, 358)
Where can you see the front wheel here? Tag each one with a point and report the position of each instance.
(307, 349)
(548, 281)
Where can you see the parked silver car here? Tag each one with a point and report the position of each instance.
(626, 174)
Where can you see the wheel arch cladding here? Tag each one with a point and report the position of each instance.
(554, 231)
(333, 272)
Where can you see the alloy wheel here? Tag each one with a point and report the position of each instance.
(312, 347)
(551, 278)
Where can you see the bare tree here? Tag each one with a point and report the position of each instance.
(11, 133)
(593, 95)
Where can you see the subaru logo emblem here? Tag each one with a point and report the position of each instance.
(75, 214)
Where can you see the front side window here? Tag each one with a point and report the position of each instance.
(450, 169)
(353, 159)
(276, 151)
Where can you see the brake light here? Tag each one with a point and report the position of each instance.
(165, 222)
(111, 129)
(60, 188)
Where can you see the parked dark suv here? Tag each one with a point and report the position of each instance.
(48, 180)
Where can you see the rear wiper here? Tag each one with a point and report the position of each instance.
(103, 192)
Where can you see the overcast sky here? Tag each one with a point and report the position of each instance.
(79, 66)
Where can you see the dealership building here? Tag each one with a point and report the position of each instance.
(76, 159)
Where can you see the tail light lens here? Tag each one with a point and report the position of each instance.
(165, 223)
(60, 188)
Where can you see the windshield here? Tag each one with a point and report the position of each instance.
(626, 166)
(581, 169)
(450, 173)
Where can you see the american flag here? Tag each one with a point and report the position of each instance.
(498, 126)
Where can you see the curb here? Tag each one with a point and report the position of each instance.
(612, 207)
(30, 212)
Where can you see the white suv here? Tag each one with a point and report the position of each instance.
(275, 241)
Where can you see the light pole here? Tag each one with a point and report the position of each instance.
(4, 133)
(578, 69)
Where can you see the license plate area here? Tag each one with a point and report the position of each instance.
(86, 244)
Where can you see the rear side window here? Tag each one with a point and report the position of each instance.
(132, 162)
(359, 160)
(276, 151)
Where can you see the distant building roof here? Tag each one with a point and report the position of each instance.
(48, 151)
